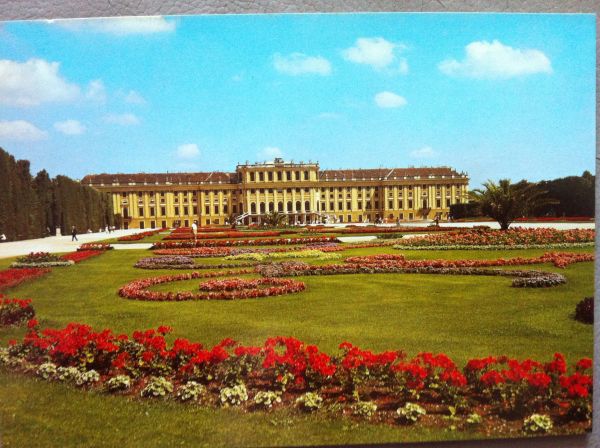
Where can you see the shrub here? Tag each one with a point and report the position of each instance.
(364, 409)
(233, 396)
(584, 311)
(191, 391)
(15, 311)
(119, 382)
(47, 370)
(410, 412)
(157, 387)
(267, 399)
(537, 423)
(310, 401)
(87, 377)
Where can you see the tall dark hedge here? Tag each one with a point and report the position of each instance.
(32, 207)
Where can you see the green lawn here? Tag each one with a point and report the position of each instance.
(463, 316)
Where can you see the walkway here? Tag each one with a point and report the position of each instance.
(58, 243)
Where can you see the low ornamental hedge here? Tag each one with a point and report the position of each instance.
(139, 236)
(285, 371)
(584, 311)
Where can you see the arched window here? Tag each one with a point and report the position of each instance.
(298, 206)
(280, 206)
(262, 207)
(307, 206)
(253, 208)
(289, 206)
(271, 207)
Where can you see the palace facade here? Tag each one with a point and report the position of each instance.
(301, 191)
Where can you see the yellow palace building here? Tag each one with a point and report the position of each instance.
(301, 191)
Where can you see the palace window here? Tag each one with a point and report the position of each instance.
(400, 204)
(151, 211)
(349, 205)
(141, 212)
(279, 175)
(297, 175)
(163, 211)
(331, 206)
(216, 208)
(225, 209)
(270, 174)
(410, 203)
(261, 176)
(206, 210)
(340, 205)
(252, 177)
(306, 175)
(124, 195)
(176, 210)
(288, 175)
(125, 212)
(390, 204)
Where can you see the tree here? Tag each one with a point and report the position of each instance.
(274, 219)
(505, 202)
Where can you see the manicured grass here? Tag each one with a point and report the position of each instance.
(463, 316)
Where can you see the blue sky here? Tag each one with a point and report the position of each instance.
(495, 95)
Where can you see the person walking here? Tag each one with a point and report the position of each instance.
(74, 234)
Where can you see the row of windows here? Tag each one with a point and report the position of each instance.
(278, 175)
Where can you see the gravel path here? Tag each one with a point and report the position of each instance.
(58, 243)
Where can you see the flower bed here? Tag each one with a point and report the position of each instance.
(183, 262)
(307, 253)
(13, 277)
(139, 236)
(208, 252)
(40, 260)
(523, 278)
(382, 230)
(94, 246)
(215, 235)
(241, 242)
(284, 371)
(513, 238)
(81, 255)
(15, 311)
(138, 289)
(559, 259)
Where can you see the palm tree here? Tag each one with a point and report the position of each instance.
(505, 201)
(274, 219)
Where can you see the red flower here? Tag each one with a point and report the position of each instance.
(584, 364)
(32, 323)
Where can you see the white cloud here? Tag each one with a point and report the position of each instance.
(425, 152)
(270, 153)
(69, 127)
(134, 97)
(33, 82)
(118, 26)
(188, 151)
(379, 53)
(96, 91)
(122, 119)
(389, 100)
(20, 130)
(301, 64)
(495, 60)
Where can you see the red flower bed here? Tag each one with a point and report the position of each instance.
(206, 252)
(241, 242)
(559, 259)
(498, 384)
(15, 311)
(138, 289)
(557, 219)
(14, 277)
(139, 236)
(200, 236)
(81, 255)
